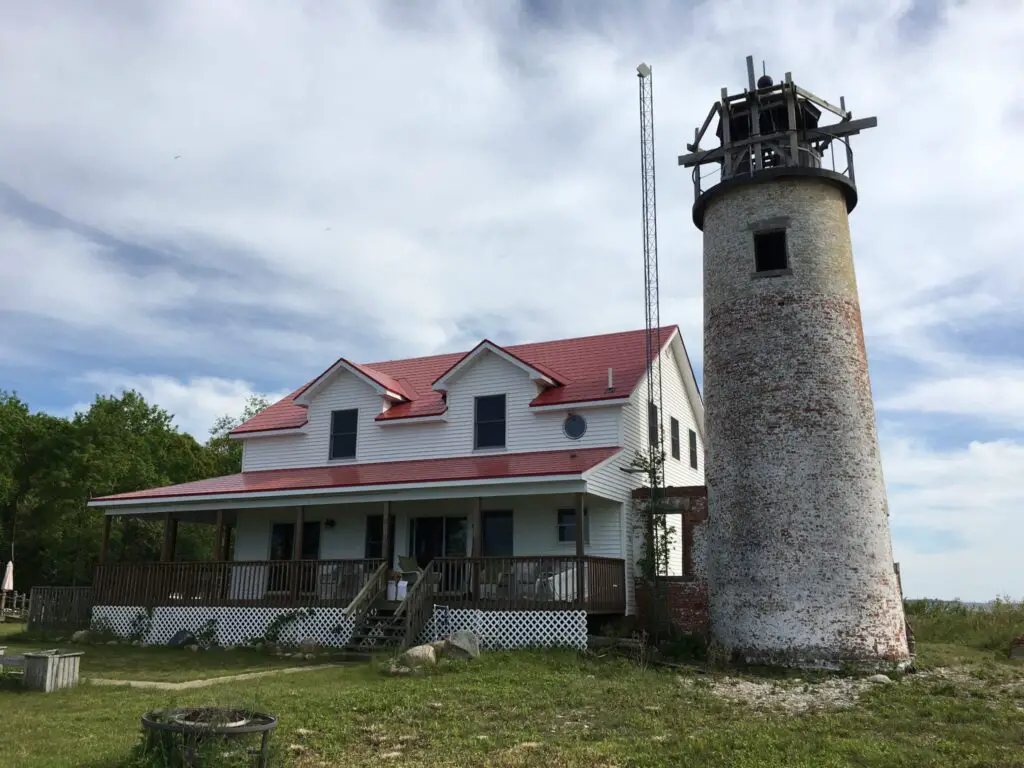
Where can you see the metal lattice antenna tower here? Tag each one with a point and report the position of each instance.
(651, 299)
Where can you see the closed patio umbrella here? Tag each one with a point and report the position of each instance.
(8, 583)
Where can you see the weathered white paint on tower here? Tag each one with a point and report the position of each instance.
(800, 566)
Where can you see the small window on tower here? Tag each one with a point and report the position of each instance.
(770, 251)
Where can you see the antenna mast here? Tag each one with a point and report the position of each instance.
(655, 430)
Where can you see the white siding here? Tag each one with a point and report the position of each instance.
(534, 525)
(611, 482)
(526, 428)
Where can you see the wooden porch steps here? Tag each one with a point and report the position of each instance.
(378, 628)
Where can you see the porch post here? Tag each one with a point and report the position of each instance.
(167, 549)
(300, 513)
(581, 581)
(226, 544)
(475, 546)
(218, 537)
(385, 539)
(105, 545)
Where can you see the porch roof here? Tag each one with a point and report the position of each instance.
(511, 466)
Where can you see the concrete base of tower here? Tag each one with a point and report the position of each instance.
(781, 640)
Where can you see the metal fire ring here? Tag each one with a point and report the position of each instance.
(195, 722)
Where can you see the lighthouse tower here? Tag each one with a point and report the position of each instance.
(800, 566)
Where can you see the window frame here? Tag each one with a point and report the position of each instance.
(477, 422)
(674, 427)
(693, 450)
(759, 236)
(560, 526)
(653, 424)
(335, 433)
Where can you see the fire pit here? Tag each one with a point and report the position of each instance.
(205, 725)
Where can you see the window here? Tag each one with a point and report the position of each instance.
(373, 548)
(693, 449)
(675, 438)
(567, 526)
(343, 434)
(770, 251)
(282, 548)
(496, 533)
(574, 426)
(489, 422)
(653, 432)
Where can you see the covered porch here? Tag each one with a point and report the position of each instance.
(506, 551)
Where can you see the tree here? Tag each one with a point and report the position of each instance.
(228, 452)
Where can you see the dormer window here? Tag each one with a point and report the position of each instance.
(489, 422)
(343, 434)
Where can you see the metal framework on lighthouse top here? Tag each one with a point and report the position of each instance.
(769, 131)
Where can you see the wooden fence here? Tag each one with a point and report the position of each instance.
(67, 608)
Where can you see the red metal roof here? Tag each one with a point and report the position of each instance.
(582, 363)
(509, 465)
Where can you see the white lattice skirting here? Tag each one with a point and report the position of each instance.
(331, 627)
(511, 629)
(235, 626)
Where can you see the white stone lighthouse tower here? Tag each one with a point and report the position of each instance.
(800, 568)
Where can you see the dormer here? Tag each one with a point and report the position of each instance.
(391, 391)
(542, 376)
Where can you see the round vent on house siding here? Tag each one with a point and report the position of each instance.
(575, 426)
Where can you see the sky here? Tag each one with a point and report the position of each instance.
(203, 200)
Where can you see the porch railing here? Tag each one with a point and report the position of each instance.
(595, 584)
(283, 583)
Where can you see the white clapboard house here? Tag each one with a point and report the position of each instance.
(400, 500)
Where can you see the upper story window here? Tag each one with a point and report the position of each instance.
(675, 438)
(489, 422)
(770, 254)
(653, 431)
(343, 434)
(693, 449)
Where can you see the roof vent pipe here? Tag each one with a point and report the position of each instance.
(611, 379)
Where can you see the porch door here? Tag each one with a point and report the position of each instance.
(427, 538)
(282, 547)
(373, 546)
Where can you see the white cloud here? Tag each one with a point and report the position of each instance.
(195, 403)
(973, 498)
(371, 176)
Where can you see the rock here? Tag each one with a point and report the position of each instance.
(309, 645)
(1017, 648)
(880, 679)
(309, 656)
(81, 636)
(440, 648)
(397, 670)
(463, 645)
(112, 642)
(137, 643)
(419, 656)
(193, 647)
(181, 639)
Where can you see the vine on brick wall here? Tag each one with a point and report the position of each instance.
(649, 517)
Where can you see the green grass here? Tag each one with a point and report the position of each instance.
(155, 664)
(555, 709)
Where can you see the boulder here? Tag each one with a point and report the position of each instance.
(181, 639)
(193, 647)
(880, 679)
(463, 645)
(419, 656)
(440, 647)
(1017, 648)
(309, 645)
(81, 636)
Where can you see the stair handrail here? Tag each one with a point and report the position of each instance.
(376, 584)
(413, 608)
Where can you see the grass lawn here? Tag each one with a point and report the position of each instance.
(155, 663)
(965, 708)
